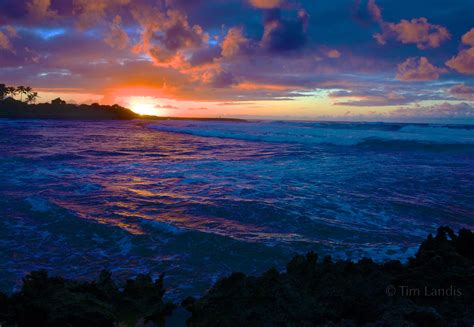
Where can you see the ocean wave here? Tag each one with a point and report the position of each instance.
(413, 145)
(61, 157)
(468, 127)
(369, 126)
(347, 134)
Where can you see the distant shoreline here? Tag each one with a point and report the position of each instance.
(193, 118)
(145, 118)
(60, 110)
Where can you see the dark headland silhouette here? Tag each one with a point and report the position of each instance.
(26, 108)
(59, 109)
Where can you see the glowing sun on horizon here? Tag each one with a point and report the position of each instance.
(144, 106)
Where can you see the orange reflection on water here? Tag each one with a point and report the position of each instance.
(131, 228)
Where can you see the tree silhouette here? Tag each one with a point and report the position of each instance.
(23, 90)
(58, 102)
(26, 91)
(12, 91)
(31, 97)
(3, 91)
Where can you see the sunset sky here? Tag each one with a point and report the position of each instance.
(315, 59)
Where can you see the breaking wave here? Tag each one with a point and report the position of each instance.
(365, 135)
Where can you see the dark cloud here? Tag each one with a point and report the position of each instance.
(445, 110)
(463, 91)
(12, 10)
(219, 79)
(205, 56)
(284, 34)
(374, 99)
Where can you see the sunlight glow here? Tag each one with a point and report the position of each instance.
(144, 106)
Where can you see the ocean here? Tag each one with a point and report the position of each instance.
(199, 200)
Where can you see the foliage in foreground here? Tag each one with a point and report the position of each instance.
(54, 301)
(435, 288)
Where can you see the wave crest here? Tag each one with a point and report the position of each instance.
(377, 136)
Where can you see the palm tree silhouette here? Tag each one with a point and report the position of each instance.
(12, 91)
(31, 97)
(22, 90)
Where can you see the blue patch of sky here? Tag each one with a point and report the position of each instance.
(43, 32)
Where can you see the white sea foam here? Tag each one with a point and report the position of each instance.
(317, 133)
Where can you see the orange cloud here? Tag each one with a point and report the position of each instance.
(266, 4)
(468, 38)
(234, 42)
(40, 9)
(375, 11)
(90, 12)
(4, 41)
(9, 32)
(270, 87)
(332, 53)
(418, 70)
(117, 37)
(464, 61)
(416, 31)
(167, 36)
